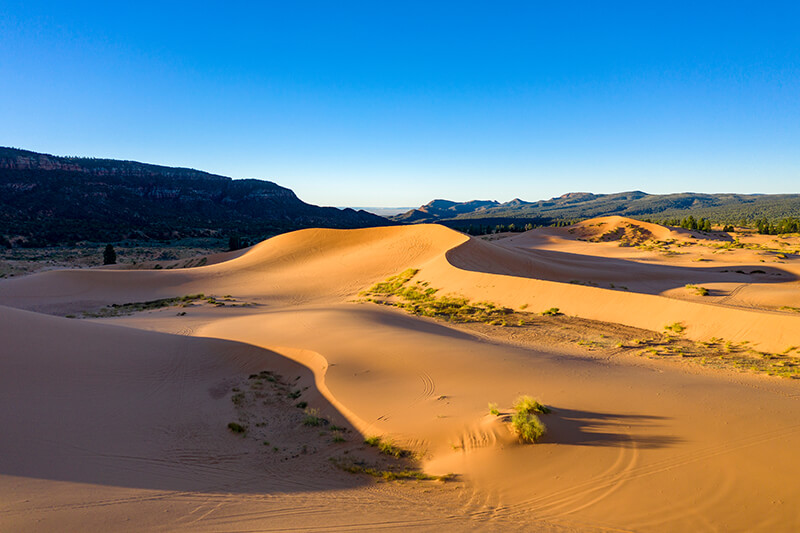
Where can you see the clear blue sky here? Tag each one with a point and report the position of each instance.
(394, 104)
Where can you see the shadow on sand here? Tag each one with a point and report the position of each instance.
(598, 271)
(587, 428)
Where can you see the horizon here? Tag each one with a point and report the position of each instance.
(396, 106)
(396, 207)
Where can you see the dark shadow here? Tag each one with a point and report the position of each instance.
(152, 413)
(587, 428)
(602, 272)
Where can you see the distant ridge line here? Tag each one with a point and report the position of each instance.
(720, 208)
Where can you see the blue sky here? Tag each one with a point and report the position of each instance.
(394, 104)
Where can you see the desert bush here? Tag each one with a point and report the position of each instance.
(312, 418)
(675, 327)
(237, 428)
(528, 427)
(702, 291)
(553, 311)
(387, 447)
(530, 405)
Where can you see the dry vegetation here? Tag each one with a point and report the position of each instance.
(130, 308)
(299, 430)
(550, 327)
(185, 253)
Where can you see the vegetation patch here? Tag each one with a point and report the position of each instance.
(387, 447)
(313, 418)
(700, 291)
(719, 353)
(420, 299)
(126, 309)
(552, 326)
(676, 328)
(237, 428)
(389, 474)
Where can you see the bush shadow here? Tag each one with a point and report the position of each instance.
(589, 428)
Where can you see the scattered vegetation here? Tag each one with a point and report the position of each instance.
(420, 299)
(387, 447)
(403, 473)
(313, 418)
(552, 325)
(372, 441)
(701, 291)
(718, 353)
(152, 305)
(493, 409)
(676, 328)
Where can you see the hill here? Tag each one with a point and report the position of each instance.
(720, 208)
(46, 200)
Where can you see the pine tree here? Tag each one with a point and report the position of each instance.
(109, 255)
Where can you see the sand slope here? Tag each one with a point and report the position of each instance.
(127, 419)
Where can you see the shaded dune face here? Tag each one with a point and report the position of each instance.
(99, 404)
(567, 267)
(126, 418)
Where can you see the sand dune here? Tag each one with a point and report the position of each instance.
(300, 267)
(124, 417)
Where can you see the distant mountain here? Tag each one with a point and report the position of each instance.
(47, 200)
(445, 209)
(722, 208)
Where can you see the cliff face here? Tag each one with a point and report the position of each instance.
(52, 200)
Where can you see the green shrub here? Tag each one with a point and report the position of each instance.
(237, 428)
(675, 327)
(372, 441)
(702, 291)
(553, 311)
(387, 447)
(312, 418)
(493, 409)
(530, 405)
(528, 426)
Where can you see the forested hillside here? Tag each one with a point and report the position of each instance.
(48, 200)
